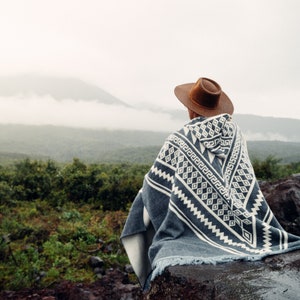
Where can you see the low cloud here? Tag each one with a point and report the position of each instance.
(36, 110)
(267, 136)
(45, 110)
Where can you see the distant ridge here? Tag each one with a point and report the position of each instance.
(63, 144)
(261, 128)
(269, 128)
(57, 87)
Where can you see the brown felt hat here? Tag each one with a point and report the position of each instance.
(205, 97)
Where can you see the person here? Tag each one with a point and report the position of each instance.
(200, 202)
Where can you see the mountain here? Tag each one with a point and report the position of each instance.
(254, 127)
(63, 144)
(269, 128)
(58, 87)
(260, 128)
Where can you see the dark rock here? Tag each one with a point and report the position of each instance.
(283, 197)
(108, 248)
(128, 269)
(276, 277)
(98, 270)
(296, 176)
(112, 286)
(96, 262)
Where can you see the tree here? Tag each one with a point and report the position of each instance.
(268, 169)
(34, 179)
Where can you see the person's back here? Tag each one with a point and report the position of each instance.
(200, 201)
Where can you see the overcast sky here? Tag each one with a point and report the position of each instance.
(139, 50)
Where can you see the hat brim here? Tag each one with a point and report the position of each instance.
(225, 105)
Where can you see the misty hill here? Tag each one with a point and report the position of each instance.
(260, 128)
(63, 144)
(269, 128)
(254, 127)
(57, 87)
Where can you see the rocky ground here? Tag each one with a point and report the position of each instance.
(276, 277)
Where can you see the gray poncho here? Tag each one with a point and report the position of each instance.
(201, 203)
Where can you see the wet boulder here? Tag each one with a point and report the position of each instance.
(276, 277)
(283, 197)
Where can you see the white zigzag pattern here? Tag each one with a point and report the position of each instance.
(266, 236)
(257, 203)
(207, 223)
(164, 175)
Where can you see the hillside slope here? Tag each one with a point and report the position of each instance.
(63, 144)
(57, 87)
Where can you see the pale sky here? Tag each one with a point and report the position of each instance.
(139, 50)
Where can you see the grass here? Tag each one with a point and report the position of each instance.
(41, 245)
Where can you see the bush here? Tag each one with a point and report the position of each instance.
(270, 168)
(105, 186)
(34, 179)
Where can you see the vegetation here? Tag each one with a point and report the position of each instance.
(53, 217)
(272, 169)
(41, 245)
(103, 186)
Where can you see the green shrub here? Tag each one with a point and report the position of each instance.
(270, 168)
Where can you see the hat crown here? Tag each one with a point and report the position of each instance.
(206, 92)
(205, 97)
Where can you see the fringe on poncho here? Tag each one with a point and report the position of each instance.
(201, 203)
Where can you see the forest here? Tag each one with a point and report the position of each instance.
(55, 216)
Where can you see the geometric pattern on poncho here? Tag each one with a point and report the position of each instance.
(213, 189)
